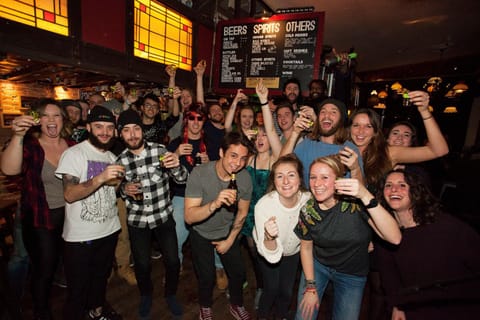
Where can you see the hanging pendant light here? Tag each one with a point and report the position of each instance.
(460, 88)
(450, 109)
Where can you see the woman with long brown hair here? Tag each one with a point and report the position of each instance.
(34, 152)
(379, 157)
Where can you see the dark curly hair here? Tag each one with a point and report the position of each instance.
(425, 206)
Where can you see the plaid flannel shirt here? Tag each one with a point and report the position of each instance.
(156, 205)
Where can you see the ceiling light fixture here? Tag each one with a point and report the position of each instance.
(450, 109)
(396, 87)
(460, 88)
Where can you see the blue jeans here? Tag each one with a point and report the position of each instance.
(140, 244)
(347, 292)
(180, 226)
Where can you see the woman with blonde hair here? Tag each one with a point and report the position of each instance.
(335, 233)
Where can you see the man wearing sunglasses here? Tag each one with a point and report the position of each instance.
(192, 151)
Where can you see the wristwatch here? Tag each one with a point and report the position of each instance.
(372, 204)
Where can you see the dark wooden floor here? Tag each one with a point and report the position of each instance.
(125, 298)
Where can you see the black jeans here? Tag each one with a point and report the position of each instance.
(88, 265)
(204, 264)
(44, 247)
(140, 244)
(278, 283)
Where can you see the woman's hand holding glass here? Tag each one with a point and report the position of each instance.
(240, 96)
(349, 158)
(350, 187)
(420, 99)
(21, 124)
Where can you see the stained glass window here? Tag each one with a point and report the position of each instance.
(48, 15)
(162, 35)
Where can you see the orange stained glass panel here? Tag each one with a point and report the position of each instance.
(50, 15)
(166, 34)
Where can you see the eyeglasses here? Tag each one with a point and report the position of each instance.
(150, 106)
(198, 118)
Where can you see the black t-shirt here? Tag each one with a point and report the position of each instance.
(175, 188)
(158, 131)
(213, 140)
(340, 235)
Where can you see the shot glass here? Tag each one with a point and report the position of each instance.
(139, 195)
(35, 115)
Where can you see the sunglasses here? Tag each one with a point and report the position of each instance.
(193, 118)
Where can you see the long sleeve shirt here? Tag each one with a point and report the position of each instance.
(156, 205)
(287, 218)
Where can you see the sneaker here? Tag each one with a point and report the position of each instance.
(173, 305)
(205, 313)
(60, 282)
(258, 295)
(156, 254)
(222, 280)
(239, 312)
(109, 314)
(144, 307)
(127, 274)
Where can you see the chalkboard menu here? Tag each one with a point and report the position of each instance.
(282, 47)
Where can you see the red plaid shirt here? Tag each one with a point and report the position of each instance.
(33, 202)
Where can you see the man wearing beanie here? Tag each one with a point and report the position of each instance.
(328, 136)
(148, 168)
(90, 178)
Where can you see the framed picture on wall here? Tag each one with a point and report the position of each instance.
(6, 119)
(27, 102)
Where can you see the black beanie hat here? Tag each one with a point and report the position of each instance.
(99, 113)
(128, 117)
(339, 104)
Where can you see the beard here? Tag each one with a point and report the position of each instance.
(100, 145)
(216, 119)
(136, 146)
(292, 98)
(330, 132)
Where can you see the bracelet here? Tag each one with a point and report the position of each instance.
(312, 290)
(309, 283)
(429, 117)
(264, 104)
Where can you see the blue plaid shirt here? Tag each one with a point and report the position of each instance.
(156, 205)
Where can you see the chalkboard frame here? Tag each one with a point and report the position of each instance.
(304, 79)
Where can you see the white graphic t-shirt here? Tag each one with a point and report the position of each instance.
(95, 216)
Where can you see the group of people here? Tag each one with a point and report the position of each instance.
(315, 188)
